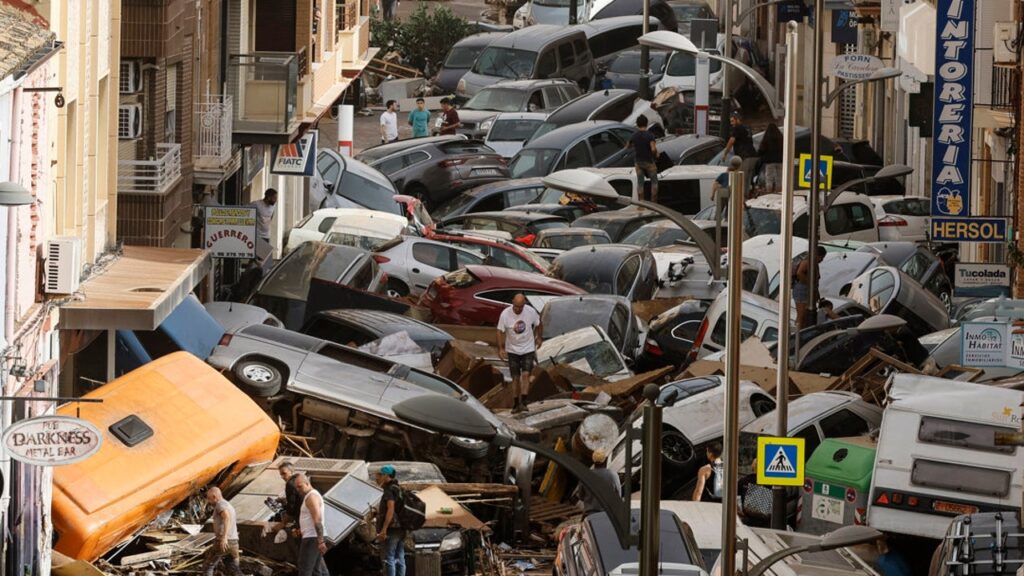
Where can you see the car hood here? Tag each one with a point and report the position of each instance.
(476, 116)
(448, 78)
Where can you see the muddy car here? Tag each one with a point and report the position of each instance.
(343, 397)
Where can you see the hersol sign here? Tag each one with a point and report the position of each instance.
(52, 440)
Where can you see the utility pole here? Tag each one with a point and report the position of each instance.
(726, 88)
(814, 198)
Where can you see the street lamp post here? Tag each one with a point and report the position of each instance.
(813, 208)
(650, 490)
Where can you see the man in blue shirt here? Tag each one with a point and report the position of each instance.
(419, 119)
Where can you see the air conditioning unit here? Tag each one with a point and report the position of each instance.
(129, 121)
(131, 77)
(1004, 38)
(63, 267)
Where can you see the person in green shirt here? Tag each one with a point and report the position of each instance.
(419, 119)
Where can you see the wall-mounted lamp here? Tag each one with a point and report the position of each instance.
(58, 101)
(14, 194)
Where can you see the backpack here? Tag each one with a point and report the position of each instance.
(410, 510)
(796, 265)
(718, 484)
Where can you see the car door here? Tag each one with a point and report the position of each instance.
(605, 147)
(428, 261)
(578, 156)
(626, 276)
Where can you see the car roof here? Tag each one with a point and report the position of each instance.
(612, 215)
(682, 143)
(804, 410)
(529, 83)
(575, 256)
(607, 301)
(691, 172)
(512, 184)
(358, 167)
(595, 27)
(535, 37)
(580, 108)
(481, 39)
(379, 319)
(512, 277)
(561, 137)
(375, 153)
(517, 216)
(569, 231)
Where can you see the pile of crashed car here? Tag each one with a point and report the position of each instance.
(391, 288)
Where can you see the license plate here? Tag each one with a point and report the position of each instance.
(827, 509)
(486, 172)
(952, 508)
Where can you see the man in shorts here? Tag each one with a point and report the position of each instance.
(519, 336)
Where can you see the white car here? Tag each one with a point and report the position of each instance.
(510, 130)
(313, 227)
(412, 263)
(681, 72)
(902, 218)
(366, 229)
(850, 217)
(587, 349)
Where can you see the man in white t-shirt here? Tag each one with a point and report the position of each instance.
(389, 123)
(519, 336)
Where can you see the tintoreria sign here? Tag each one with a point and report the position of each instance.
(52, 440)
(954, 100)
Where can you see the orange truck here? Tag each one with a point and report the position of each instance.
(170, 428)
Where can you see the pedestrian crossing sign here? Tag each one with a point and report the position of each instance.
(780, 461)
(803, 176)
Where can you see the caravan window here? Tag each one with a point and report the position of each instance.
(961, 434)
(960, 478)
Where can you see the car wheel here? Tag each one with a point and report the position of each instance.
(469, 448)
(675, 448)
(947, 301)
(258, 378)
(397, 289)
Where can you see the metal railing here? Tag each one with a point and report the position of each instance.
(345, 15)
(263, 88)
(155, 176)
(213, 142)
(1004, 87)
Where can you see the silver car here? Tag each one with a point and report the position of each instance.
(412, 263)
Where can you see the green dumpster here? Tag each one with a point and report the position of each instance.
(837, 480)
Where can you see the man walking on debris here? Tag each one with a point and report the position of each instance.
(311, 526)
(519, 336)
(389, 532)
(225, 531)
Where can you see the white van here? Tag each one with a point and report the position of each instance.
(937, 456)
(688, 189)
(850, 217)
(760, 317)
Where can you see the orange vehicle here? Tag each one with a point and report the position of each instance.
(170, 428)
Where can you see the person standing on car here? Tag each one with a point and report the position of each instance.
(710, 476)
(802, 287)
(519, 336)
(771, 156)
(449, 118)
(419, 119)
(645, 152)
(389, 532)
(741, 144)
(312, 547)
(389, 123)
(225, 532)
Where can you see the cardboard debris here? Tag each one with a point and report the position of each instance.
(800, 383)
(438, 502)
(61, 565)
(869, 375)
(485, 334)
(630, 386)
(647, 309)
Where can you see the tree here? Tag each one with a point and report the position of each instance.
(424, 38)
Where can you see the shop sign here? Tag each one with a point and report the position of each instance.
(297, 158)
(230, 231)
(991, 230)
(953, 105)
(855, 66)
(52, 440)
(981, 280)
(983, 344)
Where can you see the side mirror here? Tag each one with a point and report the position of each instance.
(329, 187)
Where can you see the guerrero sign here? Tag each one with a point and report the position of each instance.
(52, 440)
(231, 231)
(954, 102)
(855, 66)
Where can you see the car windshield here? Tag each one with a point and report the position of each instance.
(685, 64)
(656, 236)
(686, 12)
(543, 129)
(368, 193)
(759, 221)
(505, 62)
(500, 99)
(356, 241)
(533, 162)
(593, 279)
(290, 278)
(570, 241)
(462, 57)
(600, 358)
(453, 206)
(513, 130)
(565, 317)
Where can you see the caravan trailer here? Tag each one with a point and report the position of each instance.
(937, 457)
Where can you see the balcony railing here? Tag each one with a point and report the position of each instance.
(1004, 87)
(155, 176)
(213, 144)
(263, 88)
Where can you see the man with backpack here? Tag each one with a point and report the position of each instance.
(389, 529)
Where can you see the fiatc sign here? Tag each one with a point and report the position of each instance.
(52, 440)
(953, 107)
(230, 231)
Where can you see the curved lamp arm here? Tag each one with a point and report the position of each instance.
(762, 84)
(886, 74)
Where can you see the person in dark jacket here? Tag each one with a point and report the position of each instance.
(770, 152)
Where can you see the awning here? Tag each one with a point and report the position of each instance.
(136, 291)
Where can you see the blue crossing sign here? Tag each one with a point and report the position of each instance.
(780, 461)
(824, 169)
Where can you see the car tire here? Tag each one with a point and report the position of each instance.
(397, 289)
(676, 450)
(468, 448)
(258, 378)
(947, 302)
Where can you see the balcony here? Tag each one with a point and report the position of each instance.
(213, 133)
(264, 89)
(1004, 88)
(152, 177)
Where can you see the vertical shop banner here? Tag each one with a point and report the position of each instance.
(953, 106)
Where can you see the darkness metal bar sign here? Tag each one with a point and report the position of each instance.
(954, 103)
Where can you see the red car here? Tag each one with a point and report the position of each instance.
(476, 295)
(497, 252)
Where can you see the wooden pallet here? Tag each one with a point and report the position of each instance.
(384, 68)
(544, 511)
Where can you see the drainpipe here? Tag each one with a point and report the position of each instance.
(12, 221)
